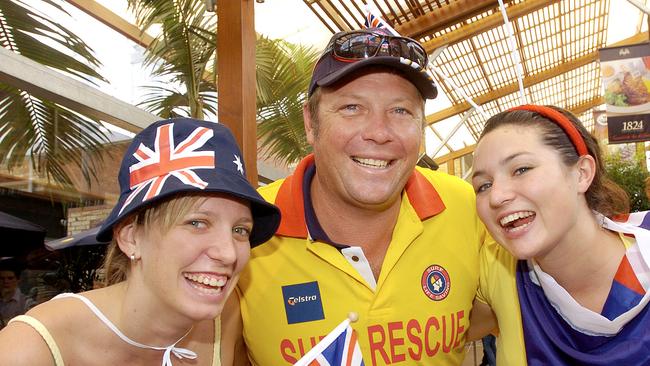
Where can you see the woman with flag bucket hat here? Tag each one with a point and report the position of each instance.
(568, 280)
(181, 233)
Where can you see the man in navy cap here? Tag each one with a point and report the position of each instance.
(363, 230)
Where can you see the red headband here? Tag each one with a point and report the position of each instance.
(562, 121)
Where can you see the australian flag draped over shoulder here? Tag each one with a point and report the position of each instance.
(632, 279)
(618, 336)
(636, 277)
(339, 348)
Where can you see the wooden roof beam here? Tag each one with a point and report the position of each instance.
(332, 13)
(120, 25)
(528, 81)
(132, 32)
(467, 31)
(445, 16)
(577, 110)
(454, 154)
(512, 88)
(587, 105)
(44, 82)
(114, 21)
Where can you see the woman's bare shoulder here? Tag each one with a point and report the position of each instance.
(20, 342)
(65, 319)
(59, 314)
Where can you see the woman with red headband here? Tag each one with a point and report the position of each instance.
(568, 282)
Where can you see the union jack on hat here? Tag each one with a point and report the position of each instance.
(372, 21)
(186, 155)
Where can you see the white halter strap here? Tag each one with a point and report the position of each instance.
(180, 353)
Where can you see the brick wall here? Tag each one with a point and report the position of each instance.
(84, 218)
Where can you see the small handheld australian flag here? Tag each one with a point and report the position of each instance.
(339, 348)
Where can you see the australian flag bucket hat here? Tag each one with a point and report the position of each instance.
(186, 155)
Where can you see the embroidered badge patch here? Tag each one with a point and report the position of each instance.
(302, 302)
(435, 282)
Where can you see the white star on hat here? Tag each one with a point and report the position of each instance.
(237, 162)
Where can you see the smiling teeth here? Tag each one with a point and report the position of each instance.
(374, 163)
(206, 280)
(515, 216)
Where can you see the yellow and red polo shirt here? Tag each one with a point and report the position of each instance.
(295, 290)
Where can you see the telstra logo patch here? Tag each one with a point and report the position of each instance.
(302, 302)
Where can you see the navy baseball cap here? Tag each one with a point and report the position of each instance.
(329, 69)
(186, 155)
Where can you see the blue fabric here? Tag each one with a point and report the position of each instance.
(551, 341)
(489, 351)
(313, 226)
(620, 300)
(646, 221)
(335, 352)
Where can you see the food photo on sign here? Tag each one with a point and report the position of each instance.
(625, 73)
(627, 85)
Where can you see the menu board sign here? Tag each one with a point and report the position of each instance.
(625, 74)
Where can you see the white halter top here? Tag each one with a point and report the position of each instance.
(180, 353)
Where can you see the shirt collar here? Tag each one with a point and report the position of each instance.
(15, 297)
(291, 200)
(314, 228)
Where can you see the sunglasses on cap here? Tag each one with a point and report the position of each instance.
(363, 44)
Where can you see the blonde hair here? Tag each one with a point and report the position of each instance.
(160, 216)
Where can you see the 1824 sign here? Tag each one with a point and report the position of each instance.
(631, 128)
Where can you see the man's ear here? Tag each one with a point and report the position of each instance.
(309, 128)
(586, 167)
(125, 235)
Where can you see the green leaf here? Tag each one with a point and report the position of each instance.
(631, 175)
(52, 136)
(184, 53)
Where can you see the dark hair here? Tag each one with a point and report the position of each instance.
(10, 268)
(11, 265)
(603, 195)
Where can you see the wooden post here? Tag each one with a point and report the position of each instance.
(236, 76)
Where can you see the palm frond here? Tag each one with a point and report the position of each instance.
(282, 130)
(21, 25)
(186, 48)
(284, 72)
(52, 136)
(183, 50)
(168, 102)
